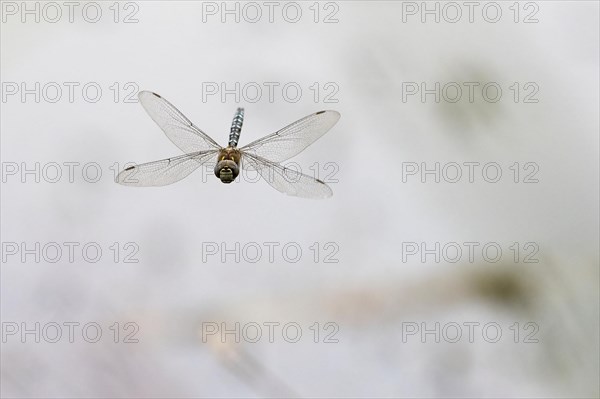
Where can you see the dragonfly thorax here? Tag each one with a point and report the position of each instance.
(228, 164)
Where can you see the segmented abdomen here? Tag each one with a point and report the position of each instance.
(236, 127)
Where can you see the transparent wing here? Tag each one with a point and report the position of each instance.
(294, 138)
(165, 171)
(179, 129)
(286, 180)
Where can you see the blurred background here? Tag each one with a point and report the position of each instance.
(379, 314)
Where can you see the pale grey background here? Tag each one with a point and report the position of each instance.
(370, 292)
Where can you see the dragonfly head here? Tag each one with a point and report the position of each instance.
(227, 170)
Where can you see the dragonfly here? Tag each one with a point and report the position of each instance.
(264, 155)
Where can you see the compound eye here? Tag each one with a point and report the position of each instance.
(227, 170)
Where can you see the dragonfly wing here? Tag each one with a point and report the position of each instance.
(165, 171)
(286, 180)
(294, 138)
(179, 129)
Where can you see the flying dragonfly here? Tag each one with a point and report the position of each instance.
(263, 155)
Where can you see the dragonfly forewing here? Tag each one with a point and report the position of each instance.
(287, 180)
(165, 171)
